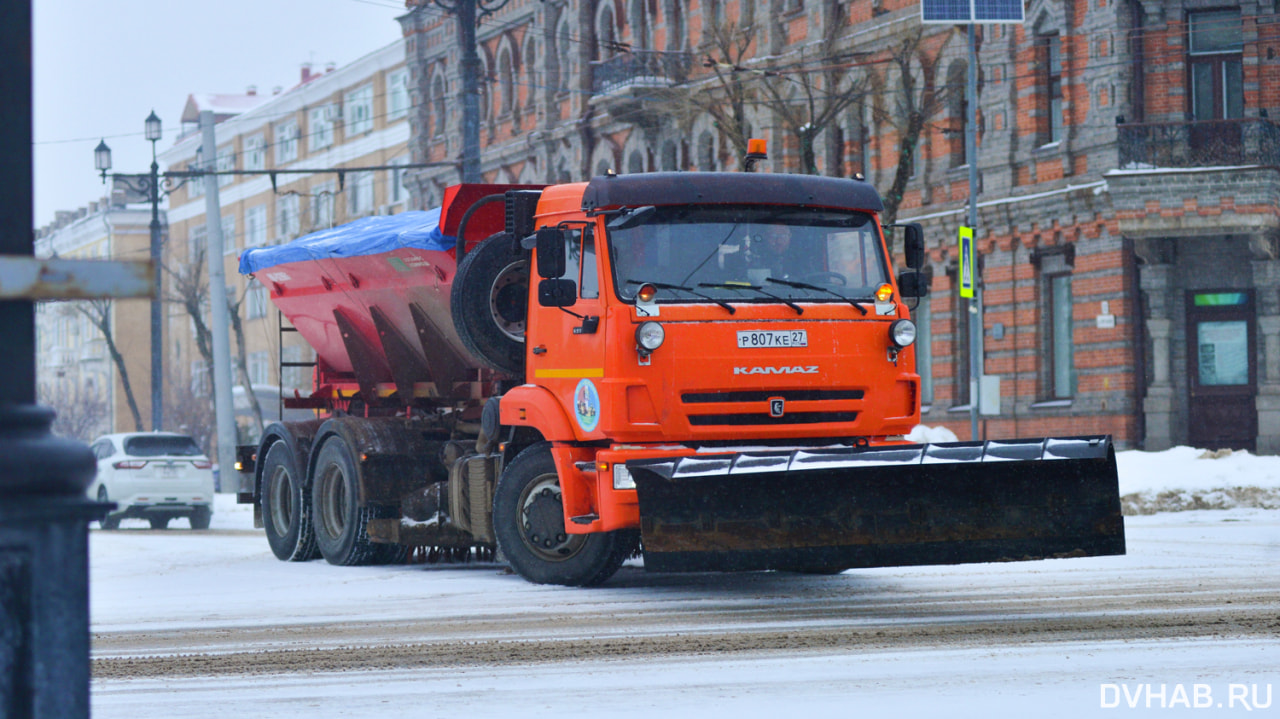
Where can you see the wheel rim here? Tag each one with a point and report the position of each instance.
(542, 521)
(508, 299)
(332, 491)
(280, 490)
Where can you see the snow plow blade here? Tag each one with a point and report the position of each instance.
(832, 509)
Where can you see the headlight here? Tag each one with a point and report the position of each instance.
(649, 336)
(622, 478)
(902, 333)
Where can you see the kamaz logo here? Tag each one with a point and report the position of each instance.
(798, 369)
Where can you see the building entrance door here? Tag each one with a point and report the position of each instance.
(1221, 362)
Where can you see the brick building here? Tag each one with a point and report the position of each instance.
(1128, 190)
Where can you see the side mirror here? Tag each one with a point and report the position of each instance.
(914, 284)
(913, 245)
(557, 293)
(550, 248)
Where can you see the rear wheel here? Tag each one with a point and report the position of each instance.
(339, 519)
(110, 521)
(286, 507)
(528, 518)
(200, 517)
(159, 522)
(490, 297)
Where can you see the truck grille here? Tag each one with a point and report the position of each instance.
(764, 395)
(762, 418)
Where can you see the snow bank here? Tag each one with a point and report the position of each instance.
(1185, 478)
(925, 434)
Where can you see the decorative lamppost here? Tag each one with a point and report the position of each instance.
(149, 186)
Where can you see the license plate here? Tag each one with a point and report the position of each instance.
(773, 338)
(169, 471)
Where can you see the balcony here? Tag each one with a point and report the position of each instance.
(623, 82)
(1214, 143)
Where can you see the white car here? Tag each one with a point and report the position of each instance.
(156, 476)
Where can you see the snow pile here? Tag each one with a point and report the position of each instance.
(925, 434)
(1186, 478)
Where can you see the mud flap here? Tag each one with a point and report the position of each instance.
(826, 509)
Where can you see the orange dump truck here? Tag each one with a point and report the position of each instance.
(715, 370)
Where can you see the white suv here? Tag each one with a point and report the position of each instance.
(155, 476)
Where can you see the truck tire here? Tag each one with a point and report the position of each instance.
(490, 303)
(528, 520)
(286, 507)
(335, 509)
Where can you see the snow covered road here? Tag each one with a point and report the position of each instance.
(210, 624)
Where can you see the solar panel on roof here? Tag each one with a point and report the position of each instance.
(971, 11)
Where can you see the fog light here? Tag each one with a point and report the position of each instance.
(649, 336)
(622, 478)
(902, 333)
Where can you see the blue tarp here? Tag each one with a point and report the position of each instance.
(366, 236)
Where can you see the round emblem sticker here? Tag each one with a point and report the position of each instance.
(586, 405)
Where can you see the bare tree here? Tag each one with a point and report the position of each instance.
(726, 93)
(81, 412)
(98, 313)
(809, 94)
(910, 107)
(189, 410)
(190, 289)
(237, 326)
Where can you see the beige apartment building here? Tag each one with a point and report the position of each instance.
(328, 126)
(75, 371)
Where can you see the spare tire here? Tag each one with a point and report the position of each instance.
(489, 301)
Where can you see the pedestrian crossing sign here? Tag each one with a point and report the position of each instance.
(966, 262)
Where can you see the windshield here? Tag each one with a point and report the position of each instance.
(719, 250)
(161, 446)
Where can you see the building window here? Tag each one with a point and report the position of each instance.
(286, 142)
(1062, 377)
(259, 368)
(506, 83)
(1217, 74)
(359, 194)
(226, 163)
(288, 223)
(195, 187)
(706, 152)
(358, 110)
(255, 302)
(438, 105)
(229, 244)
(201, 380)
(255, 153)
(922, 315)
(1049, 56)
(322, 206)
(957, 83)
(398, 192)
(397, 94)
(960, 347)
(321, 128)
(255, 226)
(197, 240)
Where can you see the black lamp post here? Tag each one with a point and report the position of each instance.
(149, 185)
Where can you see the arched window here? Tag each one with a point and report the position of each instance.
(530, 67)
(438, 103)
(606, 32)
(506, 82)
(706, 151)
(635, 162)
(670, 156)
(603, 167)
(639, 25)
(958, 109)
(564, 50)
(485, 105)
(676, 26)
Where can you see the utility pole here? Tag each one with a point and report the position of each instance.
(975, 302)
(224, 409)
(467, 13)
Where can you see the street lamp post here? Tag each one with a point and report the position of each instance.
(149, 185)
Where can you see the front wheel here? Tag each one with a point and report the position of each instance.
(109, 521)
(528, 519)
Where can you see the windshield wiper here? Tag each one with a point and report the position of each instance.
(807, 286)
(745, 286)
(690, 290)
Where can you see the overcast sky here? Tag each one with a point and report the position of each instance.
(101, 67)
